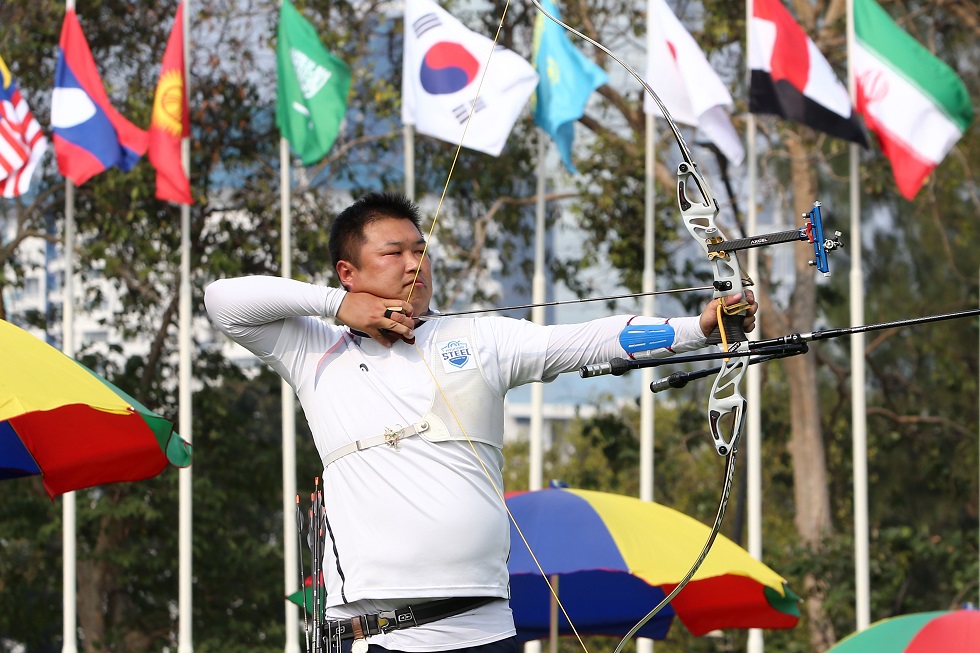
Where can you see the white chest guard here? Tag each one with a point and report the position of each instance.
(473, 406)
(474, 411)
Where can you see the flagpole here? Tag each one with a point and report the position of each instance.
(647, 417)
(756, 641)
(754, 423)
(408, 134)
(647, 423)
(289, 535)
(535, 436)
(859, 415)
(69, 572)
(536, 453)
(185, 521)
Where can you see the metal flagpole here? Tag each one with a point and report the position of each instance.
(647, 417)
(290, 539)
(647, 420)
(69, 570)
(185, 530)
(536, 453)
(289, 536)
(859, 414)
(756, 642)
(536, 450)
(408, 134)
(647, 423)
(68, 528)
(754, 423)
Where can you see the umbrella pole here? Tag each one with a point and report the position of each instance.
(553, 639)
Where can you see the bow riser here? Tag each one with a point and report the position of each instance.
(726, 403)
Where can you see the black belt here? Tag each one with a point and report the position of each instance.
(406, 617)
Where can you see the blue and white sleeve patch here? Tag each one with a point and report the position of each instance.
(638, 338)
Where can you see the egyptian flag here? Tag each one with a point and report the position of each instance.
(170, 122)
(790, 78)
(89, 134)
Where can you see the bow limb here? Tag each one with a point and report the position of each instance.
(715, 529)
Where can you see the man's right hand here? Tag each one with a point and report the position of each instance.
(385, 320)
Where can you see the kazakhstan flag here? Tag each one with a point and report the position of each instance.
(567, 79)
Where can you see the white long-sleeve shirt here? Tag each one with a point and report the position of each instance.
(422, 520)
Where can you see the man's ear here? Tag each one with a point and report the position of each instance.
(345, 272)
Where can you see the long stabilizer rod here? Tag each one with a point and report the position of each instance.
(769, 349)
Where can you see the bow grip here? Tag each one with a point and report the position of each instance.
(734, 326)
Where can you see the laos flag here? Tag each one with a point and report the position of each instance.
(89, 134)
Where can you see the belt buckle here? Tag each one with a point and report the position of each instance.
(386, 620)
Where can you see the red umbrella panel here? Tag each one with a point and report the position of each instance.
(616, 557)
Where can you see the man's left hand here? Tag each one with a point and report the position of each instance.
(709, 318)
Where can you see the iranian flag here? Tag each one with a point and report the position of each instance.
(912, 101)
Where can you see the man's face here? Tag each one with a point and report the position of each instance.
(388, 262)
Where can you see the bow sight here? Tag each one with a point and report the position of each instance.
(811, 232)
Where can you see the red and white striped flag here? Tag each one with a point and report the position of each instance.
(22, 143)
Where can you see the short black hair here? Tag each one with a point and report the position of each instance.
(347, 230)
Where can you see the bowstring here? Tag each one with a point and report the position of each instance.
(418, 270)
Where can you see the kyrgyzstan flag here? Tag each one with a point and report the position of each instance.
(89, 135)
(792, 79)
(170, 122)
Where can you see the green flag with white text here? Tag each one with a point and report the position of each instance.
(312, 88)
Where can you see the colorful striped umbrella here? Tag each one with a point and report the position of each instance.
(65, 422)
(945, 631)
(615, 557)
